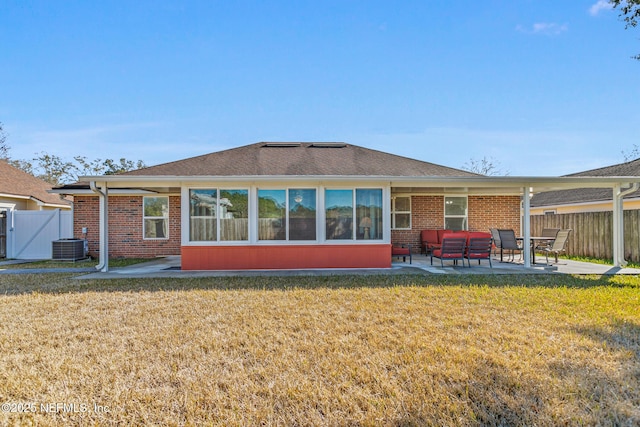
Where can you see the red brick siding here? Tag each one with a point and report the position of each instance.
(427, 212)
(125, 227)
(494, 212)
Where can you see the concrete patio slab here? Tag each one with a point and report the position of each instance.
(169, 267)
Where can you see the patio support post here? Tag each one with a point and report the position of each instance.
(526, 226)
(618, 223)
(103, 225)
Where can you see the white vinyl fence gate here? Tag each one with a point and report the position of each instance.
(30, 233)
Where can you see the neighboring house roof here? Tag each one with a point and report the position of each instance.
(15, 182)
(585, 195)
(300, 159)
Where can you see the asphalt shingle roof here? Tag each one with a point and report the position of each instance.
(582, 195)
(14, 181)
(299, 159)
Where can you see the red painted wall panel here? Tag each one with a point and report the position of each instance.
(285, 257)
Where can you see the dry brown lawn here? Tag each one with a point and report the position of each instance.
(380, 350)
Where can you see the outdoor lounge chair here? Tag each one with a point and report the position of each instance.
(479, 248)
(509, 242)
(431, 239)
(496, 239)
(452, 248)
(558, 245)
(551, 233)
(428, 240)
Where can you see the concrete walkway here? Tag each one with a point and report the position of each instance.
(169, 267)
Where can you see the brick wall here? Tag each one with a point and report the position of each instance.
(427, 212)
(494, 212)
(125, 227)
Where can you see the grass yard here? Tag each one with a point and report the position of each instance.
(353, 350)
(85, 263)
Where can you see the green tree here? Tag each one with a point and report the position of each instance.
(56, 171)
(629, 12)
(53, 169)
(85, 166)
(112, 167)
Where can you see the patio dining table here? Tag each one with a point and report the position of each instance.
(534, 242)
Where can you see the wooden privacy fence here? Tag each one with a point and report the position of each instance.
(592, 234)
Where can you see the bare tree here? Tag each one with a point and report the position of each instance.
(4, 147)
(484, 166)
(632, 154)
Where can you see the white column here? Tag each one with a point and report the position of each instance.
(526, 226)
(103, 224)
(104, 229)
(618, 228)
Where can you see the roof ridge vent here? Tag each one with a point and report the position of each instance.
(328, 145)
(282, 144)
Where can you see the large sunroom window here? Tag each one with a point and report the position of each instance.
(369, 213)
(287, 214)
(343, 209)
(218, 215)
(339, 214)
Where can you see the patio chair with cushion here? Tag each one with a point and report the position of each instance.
(428, 240)
(551, 233)
(509, 242)
(452, 248)
(558, 245)
(479, 247)
(442, 232)
(403, 251)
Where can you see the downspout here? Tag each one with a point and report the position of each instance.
(103, 264)
(618, 223)
(73, 207)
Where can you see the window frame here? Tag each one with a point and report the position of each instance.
(380, 206)
(379, 221)
(466, 213)
(217, 214)
(287, 213)
(325, 217)
(394, 212)
(165, 218)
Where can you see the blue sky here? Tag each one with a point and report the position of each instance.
(542, 87)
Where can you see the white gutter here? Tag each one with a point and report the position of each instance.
(618, 223)
(538, 183)
(103, 264)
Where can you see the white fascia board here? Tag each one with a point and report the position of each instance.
(112, 192)
(15, 196)
(537, 183)
(51, 205)
(36, 200)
